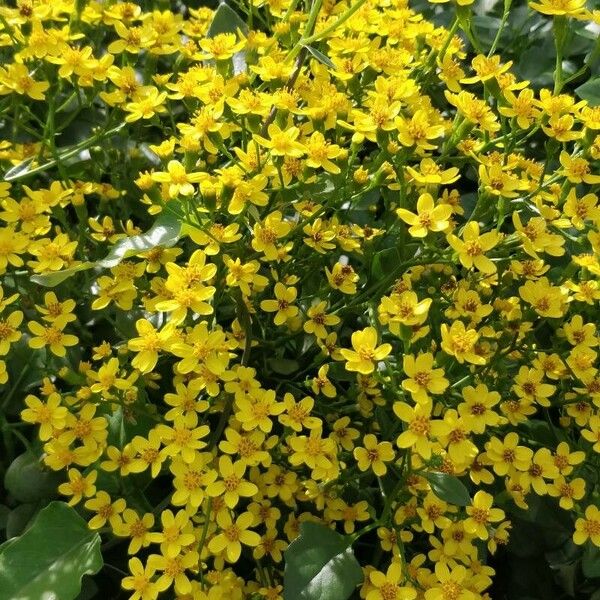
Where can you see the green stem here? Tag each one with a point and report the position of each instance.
(505, 15)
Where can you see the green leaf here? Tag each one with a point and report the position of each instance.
(28, 481)
(53, 279)
(226, 20)
(590, 91)
(320, 565)
(283, 366)
(19, 518)
(322, 58)
(165, 232)
(51, 557)
(590, 562)
(25, 168)
(448, 488)
(384, 262)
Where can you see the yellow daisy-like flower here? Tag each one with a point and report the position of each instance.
(429, 217)
(365, 353)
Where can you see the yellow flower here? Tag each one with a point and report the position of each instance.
(320, 153)
(149, 452)
(107, 377)
(318, 319)
(342, 278)
(536, 238)
(106, 511)
(433, 513)
(179, 180)
(282, 142)
(177, 533)
(579, 210)
(418, 130)
(423, 379)
(132, 39)
(174, 570)
(51, 336)
(571, 8)
(528, 385)
(547, 300)
(16, 78)
(320, 238)
(486, 68)
(460, 342)
(477, 407)
(421, 428)
(190, 480)
(374, 455)
(475, 111)
(314, 451)
(561, 128)
(565, 460)
(9, 333)
(322, 385)
(79, 486)
(365, 353)
(344, 435)
(506, 455)
(592, 434)
(542, 467)
(282, 305)
(149, 344)
(473, 246)
(481, 514)
(430, 173)
(387, 586)
(266, 234)
(233, 535)
(221, 47)
(151, 103)
(577, 169)
(499, 181)
(428, 218)
(137, 528)
(181, 440)
(231, 484)
(588, 527)
(55, 310)
(523, 108)
(297, 414)
(123, 460)
(567, 491)
(141, 583)
(453, 579)
(257, 408)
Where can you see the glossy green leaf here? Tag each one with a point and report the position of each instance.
(26, 168)
(50, 558)
(165, 232)
(590, 563)
(590, 91)
(320, 565)
(53, 279)
(384, 262)
(226, 20)
(322, 58)
(28, 480)
(448, 488)
(19, 518)
(284, 366)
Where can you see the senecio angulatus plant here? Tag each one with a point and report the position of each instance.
(288, 278)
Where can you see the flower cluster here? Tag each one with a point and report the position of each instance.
(365, 298)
